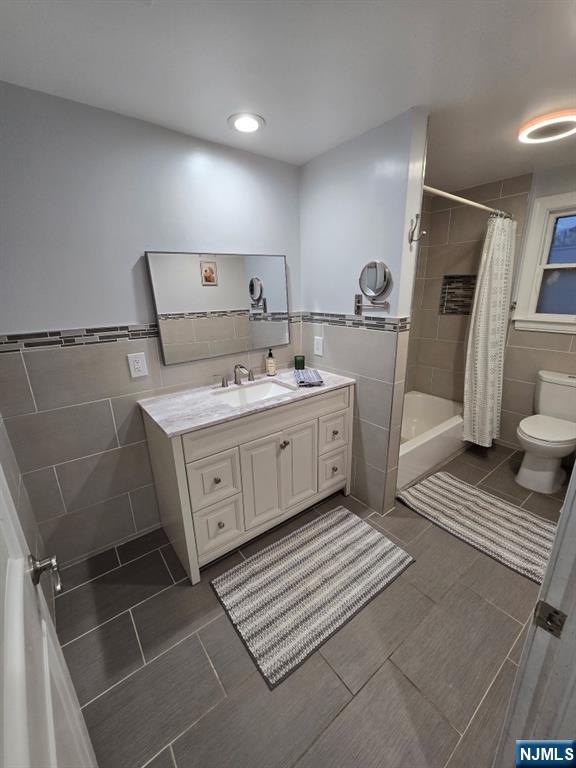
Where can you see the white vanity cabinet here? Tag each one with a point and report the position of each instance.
(225, 483)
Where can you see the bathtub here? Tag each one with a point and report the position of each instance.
(431, 434)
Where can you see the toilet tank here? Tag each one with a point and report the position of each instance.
(556, 395)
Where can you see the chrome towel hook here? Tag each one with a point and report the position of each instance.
(414, 224)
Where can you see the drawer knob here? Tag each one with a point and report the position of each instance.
(335, 432)
(217, 480)
(334, 469)
(221, 524)
(284, 444)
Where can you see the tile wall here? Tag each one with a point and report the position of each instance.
(377, 360)
(78, 437)
(453, 246)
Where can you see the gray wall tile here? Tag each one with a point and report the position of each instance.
(67, 376)
(44, 493)
(145, 507)
(15, 394)
(96, 478)
(72, 536)
(370, 443)
(368, 484)
(52, 437)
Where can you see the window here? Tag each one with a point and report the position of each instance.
(546, 298)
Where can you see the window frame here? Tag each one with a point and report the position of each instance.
(545, 211)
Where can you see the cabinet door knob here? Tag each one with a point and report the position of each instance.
(335, 432)
(284, 444)
(221, 524)
(334, 469)
(217, 480)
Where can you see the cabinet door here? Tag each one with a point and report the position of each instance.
(260, 468)
(299, 451)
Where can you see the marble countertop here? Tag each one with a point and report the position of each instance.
(200, 407)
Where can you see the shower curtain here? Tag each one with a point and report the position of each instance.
(487, 335)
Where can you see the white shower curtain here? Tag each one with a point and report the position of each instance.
(487, 335)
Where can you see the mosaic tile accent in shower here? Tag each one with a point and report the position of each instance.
(76, 337)
(457, 294)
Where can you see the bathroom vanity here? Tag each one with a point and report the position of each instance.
(231, 462)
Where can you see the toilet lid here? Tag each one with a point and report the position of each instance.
(548, 429)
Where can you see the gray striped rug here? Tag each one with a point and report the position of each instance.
(518, 539)
(288, 599)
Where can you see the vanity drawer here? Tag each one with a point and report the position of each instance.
(332, 432)
(213, 479)
(218, 526)
(332, 469)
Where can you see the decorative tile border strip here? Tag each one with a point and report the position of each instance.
(200, 315)
(77, 337)
(375, 323)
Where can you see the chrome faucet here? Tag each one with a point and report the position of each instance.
(239, 371)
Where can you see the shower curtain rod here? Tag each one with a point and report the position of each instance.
(450, 196)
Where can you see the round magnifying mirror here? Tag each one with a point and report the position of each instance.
(375, 280)
(256, 288)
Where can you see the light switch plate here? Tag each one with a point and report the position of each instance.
(318, 346)
(137, 364)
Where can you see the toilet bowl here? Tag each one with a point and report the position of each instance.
(550, 435)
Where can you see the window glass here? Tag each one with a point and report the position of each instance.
(563, 248)
(558, 292)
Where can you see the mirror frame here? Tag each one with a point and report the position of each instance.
(387, 287)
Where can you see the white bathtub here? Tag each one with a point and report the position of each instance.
(431, 433)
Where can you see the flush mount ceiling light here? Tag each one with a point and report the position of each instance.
(550, 127)
(246, 122)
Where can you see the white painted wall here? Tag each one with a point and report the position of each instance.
(354, 210)
(84, 192)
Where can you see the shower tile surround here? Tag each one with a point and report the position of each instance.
(70, 412)
(453, 247)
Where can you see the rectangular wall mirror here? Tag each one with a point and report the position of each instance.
(211, 304)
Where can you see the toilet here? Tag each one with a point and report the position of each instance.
(550, 435)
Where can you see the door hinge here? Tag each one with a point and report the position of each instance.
(549, 618)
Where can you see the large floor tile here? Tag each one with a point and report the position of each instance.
(143, 544)
(388, 725)
(403, 522)
(513, 593)
(97, 601)
(227, 652)
(163, 760)
(259, 728)
(456, 651)
(361, 646)
(481, 737)
(465, 471)
(503, 479)
(516, 652)
(102, 657)
(544, 506)
(441, 559)
(486, 458)
(175, 613)
(350, 502)
(132, 722)
(89, 569)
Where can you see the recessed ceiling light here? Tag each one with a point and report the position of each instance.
(246, 122)
(550, 127)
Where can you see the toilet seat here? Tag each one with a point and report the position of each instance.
(547, 429)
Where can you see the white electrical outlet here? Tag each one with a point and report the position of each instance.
(137, 364)
(318, 346)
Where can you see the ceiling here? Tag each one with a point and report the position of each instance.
(319, 71)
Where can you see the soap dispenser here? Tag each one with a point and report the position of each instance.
(270, 364)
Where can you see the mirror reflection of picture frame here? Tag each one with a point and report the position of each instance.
(209, 273)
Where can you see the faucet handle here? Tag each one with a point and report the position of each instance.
(251, 374)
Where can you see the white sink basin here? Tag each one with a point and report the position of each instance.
(252, 393)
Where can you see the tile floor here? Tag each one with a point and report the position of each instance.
(419, 678)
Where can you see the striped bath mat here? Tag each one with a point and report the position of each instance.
(518, 539)
(288, 599)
